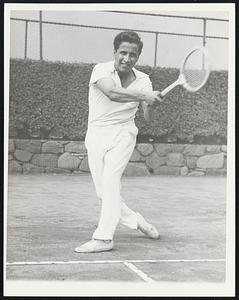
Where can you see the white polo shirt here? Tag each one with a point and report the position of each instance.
(102, 110)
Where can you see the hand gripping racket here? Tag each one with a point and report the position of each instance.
(194, 71)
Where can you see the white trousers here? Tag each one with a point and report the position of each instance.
(109, 150)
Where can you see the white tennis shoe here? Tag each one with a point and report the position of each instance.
(95, 246)
(146, 228)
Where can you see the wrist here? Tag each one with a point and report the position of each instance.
(145, 97)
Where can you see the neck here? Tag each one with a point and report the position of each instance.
(126, 74)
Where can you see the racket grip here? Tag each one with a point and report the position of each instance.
(169, 88)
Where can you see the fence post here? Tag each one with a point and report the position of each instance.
(40, 23)
(26, 37)
(204, 39)
(204, 31)
(156, 49)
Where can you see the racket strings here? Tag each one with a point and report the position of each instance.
(194, 77)
(195, 69)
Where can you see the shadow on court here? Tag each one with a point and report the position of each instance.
(49, 215)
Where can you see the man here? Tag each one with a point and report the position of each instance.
(115, 90)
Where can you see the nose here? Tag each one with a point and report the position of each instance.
(127, 58)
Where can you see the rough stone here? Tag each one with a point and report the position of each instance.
(213, 148)
(153, 161)
(56, 170)
(211, 162)
(191, 162)
(33, 146)
(23, 155)
(32, 169)
(200, 170)
(177, 148)
(78, 172)
(184, 171)
(64, 142)
(52, 147)
(162, 149)
(84, 166)
(78, 155)
(76, 147)
(14, 167)
(136, 169)
(224, 148)
(145, 149)
(194, 150)
(225, 163)
(175, 159)
(68, 161)
(214, 161)
(216, 172)
(135, 156)
(196, 173)
(167, 170)
(45, 160)
(11, 146)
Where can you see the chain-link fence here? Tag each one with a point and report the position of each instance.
(166, 37)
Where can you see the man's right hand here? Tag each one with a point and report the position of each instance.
(152, 97)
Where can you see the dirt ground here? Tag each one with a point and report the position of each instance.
(49, 215)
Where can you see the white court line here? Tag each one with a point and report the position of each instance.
(19, 263)
(140, 273)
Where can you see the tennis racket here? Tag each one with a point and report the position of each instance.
(194, 71)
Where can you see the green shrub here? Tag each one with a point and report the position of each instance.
(51, 100)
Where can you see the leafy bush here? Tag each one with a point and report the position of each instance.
(50, 100)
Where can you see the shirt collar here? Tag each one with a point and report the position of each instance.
(137, 73)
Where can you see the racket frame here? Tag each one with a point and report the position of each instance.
(207, 69)
(181, 78)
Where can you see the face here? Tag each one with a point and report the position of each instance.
(126, 57)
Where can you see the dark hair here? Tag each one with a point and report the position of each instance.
(130, 37)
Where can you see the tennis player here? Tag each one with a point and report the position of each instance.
(116, 89)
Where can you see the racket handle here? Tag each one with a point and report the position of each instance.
(169, 88)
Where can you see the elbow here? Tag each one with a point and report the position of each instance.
(113, 98)
(108, 92)
(148, 118)
(112, 95)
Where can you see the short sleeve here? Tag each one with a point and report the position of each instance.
(147, 85)
(99, 71)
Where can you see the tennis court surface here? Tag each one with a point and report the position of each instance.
(49, 215)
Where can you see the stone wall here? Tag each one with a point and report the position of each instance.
(40, 156)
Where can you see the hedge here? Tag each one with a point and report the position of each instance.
(49, 100)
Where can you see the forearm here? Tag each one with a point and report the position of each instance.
(122, 95)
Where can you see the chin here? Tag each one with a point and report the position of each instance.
(124, 69)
